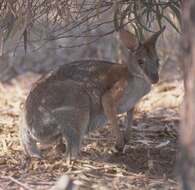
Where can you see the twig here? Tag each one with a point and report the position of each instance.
(19, 183)
(96, 138)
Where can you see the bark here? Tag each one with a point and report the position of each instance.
(187, 133)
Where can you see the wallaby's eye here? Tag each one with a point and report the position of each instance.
(140, 62)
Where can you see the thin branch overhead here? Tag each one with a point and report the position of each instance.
(56, 19)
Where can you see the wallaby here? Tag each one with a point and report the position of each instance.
(67, 103)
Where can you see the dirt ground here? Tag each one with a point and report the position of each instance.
(147, 163)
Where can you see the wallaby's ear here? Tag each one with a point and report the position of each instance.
(128, 39)
(152, 40)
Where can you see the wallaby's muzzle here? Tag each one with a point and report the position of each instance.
(154, 77)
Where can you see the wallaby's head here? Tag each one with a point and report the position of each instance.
(144, 54)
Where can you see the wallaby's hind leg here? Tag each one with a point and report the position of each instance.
(72, 149)
(29, 144)
(73, 120)
(74, 133)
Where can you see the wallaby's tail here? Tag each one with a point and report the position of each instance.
(29, 144)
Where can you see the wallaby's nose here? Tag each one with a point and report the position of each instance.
(154, 78)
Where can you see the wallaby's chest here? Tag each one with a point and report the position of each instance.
(135, 90)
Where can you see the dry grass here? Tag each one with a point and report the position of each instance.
(147, 163)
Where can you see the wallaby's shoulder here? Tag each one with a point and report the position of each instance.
(111, 75)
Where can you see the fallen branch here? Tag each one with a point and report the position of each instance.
(18, 182)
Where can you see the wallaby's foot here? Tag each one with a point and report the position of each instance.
(120, 142)
(71, 145)
(70, 164)
(25, 162)
(126, 138)
(128, 134)
(128, 125)
(70, 161)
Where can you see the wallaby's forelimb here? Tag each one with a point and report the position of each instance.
(109, 101)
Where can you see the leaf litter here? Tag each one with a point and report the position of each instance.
(147, 163)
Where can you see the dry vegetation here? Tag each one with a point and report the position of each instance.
(147, 163)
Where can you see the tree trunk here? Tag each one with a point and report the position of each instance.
(187, 133)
